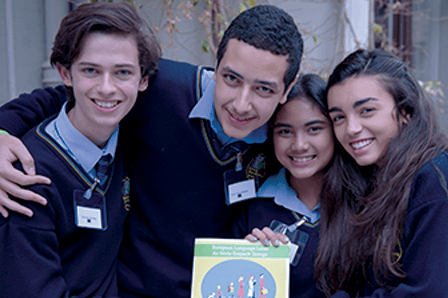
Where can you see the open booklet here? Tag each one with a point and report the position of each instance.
(231, 268)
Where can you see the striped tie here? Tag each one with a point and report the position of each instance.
(102, 167)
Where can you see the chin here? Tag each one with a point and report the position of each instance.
(236, 134)
(364, 162)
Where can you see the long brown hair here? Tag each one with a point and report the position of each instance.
(363, 208)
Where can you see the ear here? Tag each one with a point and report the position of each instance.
(65, 75)
(216, 70)
(144, 82)
(405, 118)
(285, 96)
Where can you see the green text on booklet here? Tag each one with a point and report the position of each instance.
(238, 268)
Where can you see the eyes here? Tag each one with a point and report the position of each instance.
(262, 90)
(89, 71)
(230, 78)
(338, 116)
(286, 132)
(92, 72)
(124, 72)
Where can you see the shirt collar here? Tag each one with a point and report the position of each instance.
(205, 109)
(78, 146)
(277, 187)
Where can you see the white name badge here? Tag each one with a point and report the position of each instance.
(241, 191)
(87, 217)
(90, 213)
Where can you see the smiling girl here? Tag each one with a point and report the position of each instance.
(384, 227)
(304, 144)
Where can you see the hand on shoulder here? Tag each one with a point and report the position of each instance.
(11, 179)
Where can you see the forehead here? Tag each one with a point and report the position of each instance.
(253, 63)
(354, 89)
(100, 45)
(300, 110)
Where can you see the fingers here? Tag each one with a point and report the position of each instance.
(251, 238)
(6, 203)
(11, 150)
(8, 187)
(11, 179)
(267, 237)
(17, 177)
(4, 212)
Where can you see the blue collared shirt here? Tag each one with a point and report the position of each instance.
(277, 187)
(205, 109)
(78, 146)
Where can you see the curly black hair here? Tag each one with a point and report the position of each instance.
(269, 28)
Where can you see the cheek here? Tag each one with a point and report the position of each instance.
(277, 145)
(81, 84)
(325, 144)
(392, 135)
(328, 150)
(389, 136)
(280, 146)
(131, 88)
(266, 109)
(339, 133)
(222, 92)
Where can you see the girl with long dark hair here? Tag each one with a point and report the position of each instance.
(384, 219)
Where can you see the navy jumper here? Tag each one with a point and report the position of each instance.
(48, 255)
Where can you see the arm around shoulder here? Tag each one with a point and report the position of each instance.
(11, 179)
(21, 114)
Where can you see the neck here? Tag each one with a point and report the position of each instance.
(308, 189)
(97, 135)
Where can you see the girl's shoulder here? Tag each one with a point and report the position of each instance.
(430, 183)
(438, 166)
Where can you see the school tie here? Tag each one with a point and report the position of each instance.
(102, 167)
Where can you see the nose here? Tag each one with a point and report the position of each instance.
(353, 126)
(107, 85)
(300, 143)
(242, 103)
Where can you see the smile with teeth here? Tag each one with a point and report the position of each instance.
(361, 144)
(239, 120)
(302, 159)
(106, 104)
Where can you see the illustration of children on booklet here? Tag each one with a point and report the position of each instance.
(251, 292)
(246, 269)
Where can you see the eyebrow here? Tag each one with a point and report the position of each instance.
(315, 122)
(97, 65)
(355, 104)
(363, 101)
(280, 124)
(273, 85)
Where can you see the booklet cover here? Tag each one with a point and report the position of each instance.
(232, 268)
